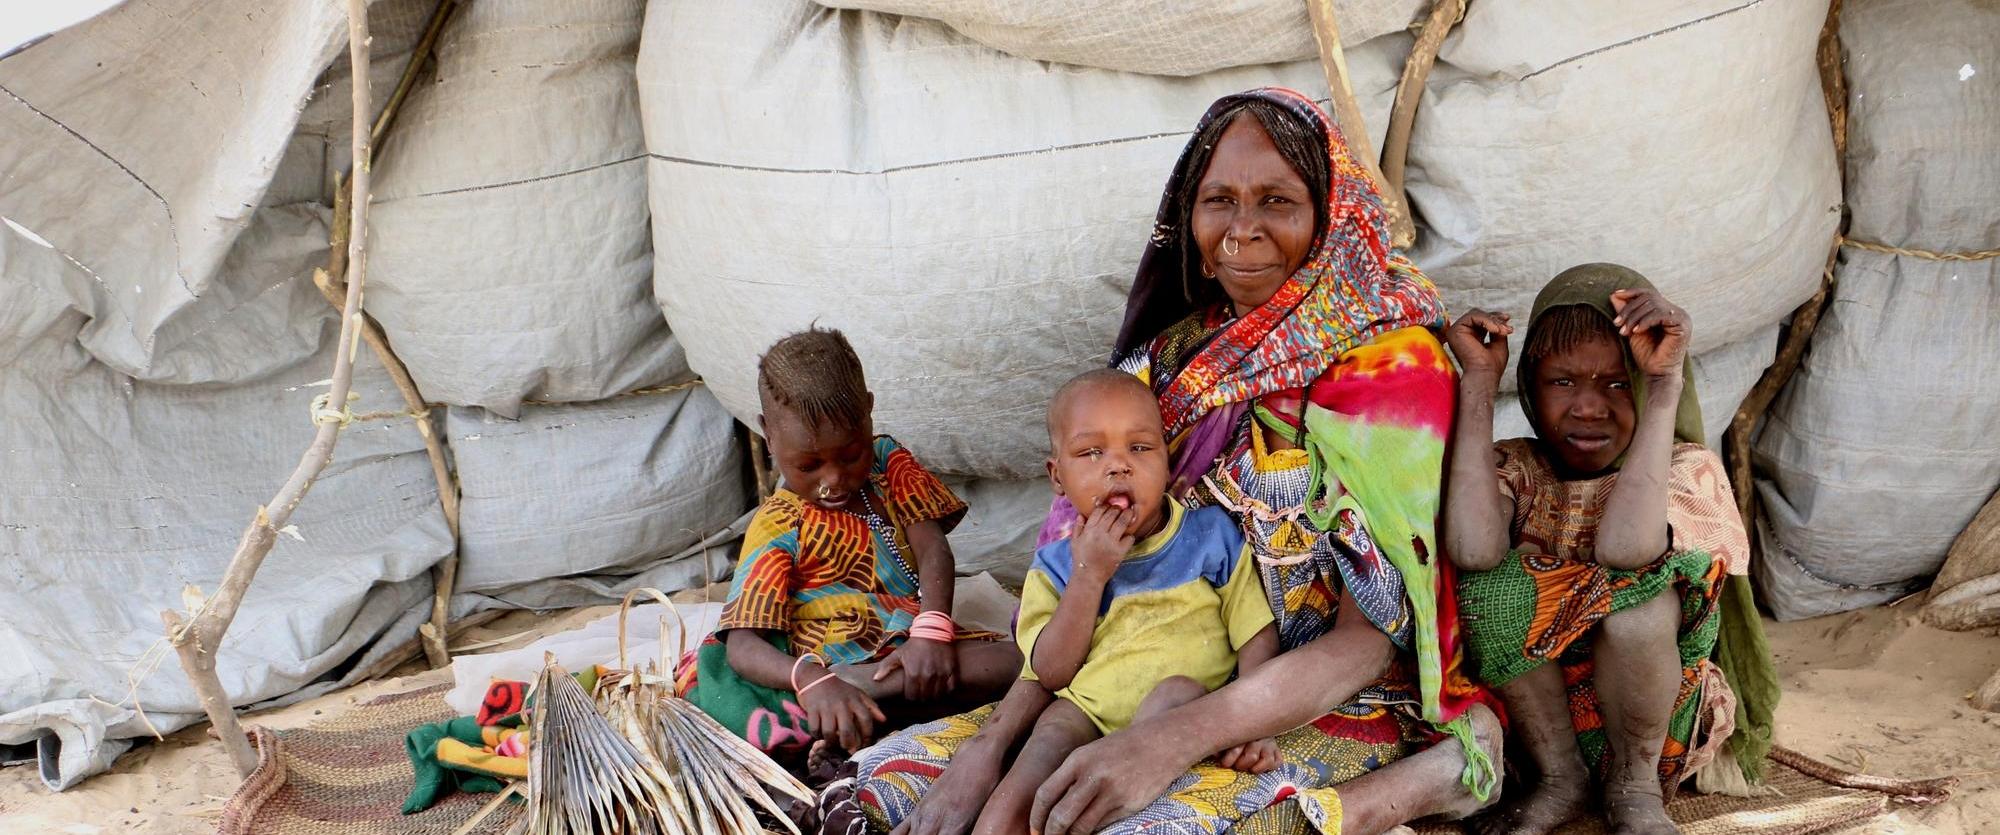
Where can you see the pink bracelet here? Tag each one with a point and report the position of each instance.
(934, 626)
(795, 670)
(799, 694)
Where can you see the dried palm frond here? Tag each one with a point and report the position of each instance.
(584, 777)
(715, 774)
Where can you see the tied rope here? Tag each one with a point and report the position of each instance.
(323, 414)
(1925, 254)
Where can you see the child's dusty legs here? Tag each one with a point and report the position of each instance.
(1538, 708)
(985, 670)
(1170, 693)
(1061, 729)
(1638, 678)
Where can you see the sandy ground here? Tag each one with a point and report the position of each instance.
(1874, 691)
(1878, 691)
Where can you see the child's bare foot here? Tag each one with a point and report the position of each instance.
(1637, 810)
(823, 761)
(1553, 802)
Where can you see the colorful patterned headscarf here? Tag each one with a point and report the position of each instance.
(1352, 289)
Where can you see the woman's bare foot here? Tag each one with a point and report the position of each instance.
(1489, 735)
(1637, 810)
(1552, 803)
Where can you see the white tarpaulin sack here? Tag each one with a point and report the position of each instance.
(1887, 441)
(970, 219)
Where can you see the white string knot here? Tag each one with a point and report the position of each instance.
(323, 413)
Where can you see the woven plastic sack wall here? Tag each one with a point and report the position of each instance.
(1687, 141)
(1146, 36)
(509, 245)
(164, 170)
(1887, 441)
(156, 358)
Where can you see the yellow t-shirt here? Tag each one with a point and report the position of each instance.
(1180, 604)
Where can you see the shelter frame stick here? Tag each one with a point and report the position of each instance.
(1791, 353)
(445, 575)
(1333, 61)
(1410, 93)
(197, 638)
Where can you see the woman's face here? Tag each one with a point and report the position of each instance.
(1253, 217)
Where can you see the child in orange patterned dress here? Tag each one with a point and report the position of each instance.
(839, 615)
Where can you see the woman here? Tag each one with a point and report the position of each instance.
(1298, 372)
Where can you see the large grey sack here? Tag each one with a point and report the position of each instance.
(1887, 441)
(122, 493)
(970, 219)
(510, 249)
(605, 488)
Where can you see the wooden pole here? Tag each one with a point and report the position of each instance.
(445, 574)
(1333, 61)
(1410, 93)
(196, 639)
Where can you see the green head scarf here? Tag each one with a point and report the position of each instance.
(1591, 285)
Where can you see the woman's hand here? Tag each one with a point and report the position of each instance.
(1469, 337)
(930, 668)
(1656, 329)
(1254, 757)
(955, 799)
(1106, 780)
(840, 712)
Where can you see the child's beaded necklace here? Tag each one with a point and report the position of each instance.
(878, 524)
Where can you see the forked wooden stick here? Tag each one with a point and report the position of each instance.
(431, 635)
(197, 638)
(1333, 61)
(1410, 93)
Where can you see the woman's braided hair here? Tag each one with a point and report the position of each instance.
(1297, 142)
(816, 375)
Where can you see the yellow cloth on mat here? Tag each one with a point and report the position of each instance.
(461, 755)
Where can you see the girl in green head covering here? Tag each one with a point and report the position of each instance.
(1594, 553)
